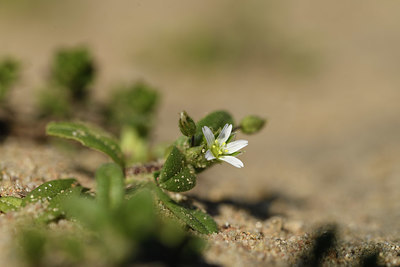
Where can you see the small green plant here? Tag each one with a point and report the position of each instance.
(72, 72)
(131, 113)
(9, 72)
(133, 106)
(196, 150)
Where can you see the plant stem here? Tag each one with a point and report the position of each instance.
(192, 141)
(143, 168)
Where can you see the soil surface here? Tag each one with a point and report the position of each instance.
(327, 164)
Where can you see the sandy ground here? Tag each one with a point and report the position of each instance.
(330, 153)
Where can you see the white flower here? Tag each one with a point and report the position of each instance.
(219, 149)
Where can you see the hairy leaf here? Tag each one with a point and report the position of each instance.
(48, 190)
(195, 219)
(9, 203)
(55, 209)
(207, 221)
(87, 136)
(182, 181)
(176, 175)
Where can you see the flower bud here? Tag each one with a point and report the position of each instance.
(252, 124)
(187, 125)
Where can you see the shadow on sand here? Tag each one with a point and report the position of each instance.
(260, 209)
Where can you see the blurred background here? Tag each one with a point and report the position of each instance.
(326, 75)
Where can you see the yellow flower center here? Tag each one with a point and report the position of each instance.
(218, 149)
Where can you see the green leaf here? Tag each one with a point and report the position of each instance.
(110, 185)
(172, 165)
(88, 136)
(215, 120)
(207, 221)
(49, 190)
(182, 181)
(88, 211)
(176, 176)
(139, 214)
(194, 218)
(9, 203)
(55, 209)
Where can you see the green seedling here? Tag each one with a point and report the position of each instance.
(9, 73)
(131, 112)
(133, 106)
(187, 156)
(68, 89)
(74, 70)
(207, 142)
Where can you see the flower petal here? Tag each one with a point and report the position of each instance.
(232, 147)
(208, 135)
(209, 155)
(233, 161)
(225, 133)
